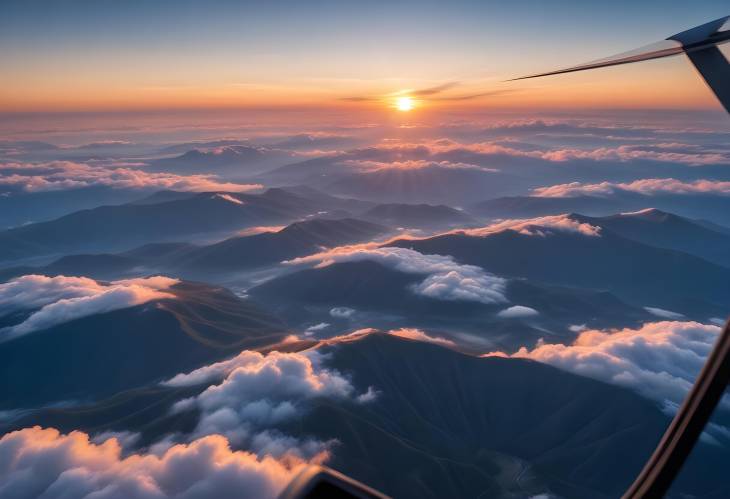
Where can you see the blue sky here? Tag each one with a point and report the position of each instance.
(125, 49)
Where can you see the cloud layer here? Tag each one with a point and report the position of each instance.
(62, 175)
(447, 280)
(648, 187)
(36, 462)
(660, 360)
(61, 299)
(539, 226)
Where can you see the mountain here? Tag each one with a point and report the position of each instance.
(637, 273)
(99, 355)
(427, 184)
(164, 196)
(445, 424)
(205, 145)
(418, 215)
(385, 298)
(463, 425)
(231, 255)
(228, 160)
(297, 239)
(125, 226)
(534, 206)
(713, 208)
(665, 230)
(21, 208)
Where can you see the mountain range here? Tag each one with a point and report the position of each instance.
(99, 355)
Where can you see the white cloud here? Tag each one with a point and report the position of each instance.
(61, 175)
(517, 312)
(342, 312)
(664, 314)
(649, 186)
(229, 198)
(418, 335)
(252, 393)
(316, 327)
(660, 360)
(447, 280)
(539, 226)
(62, 298)
(36, 462)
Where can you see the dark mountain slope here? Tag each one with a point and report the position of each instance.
(635, 272)
(666, 230)
(99, 355)
(417, 215)
(112, 227)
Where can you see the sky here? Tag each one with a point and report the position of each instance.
(103, 55)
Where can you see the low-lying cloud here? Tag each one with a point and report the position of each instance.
(446, 279)
(659, 360)
(38, 462)
(55, 300)
(539, 226)
(647, 187)
(342, 312)
(418, 335)
(252, 393)
(517, 312)
(63, 175)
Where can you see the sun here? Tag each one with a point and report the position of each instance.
(404, 104)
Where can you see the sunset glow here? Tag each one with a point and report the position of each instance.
(412, 242)
(404, 103)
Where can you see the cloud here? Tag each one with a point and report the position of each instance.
(517, 312)
(625, 153)
(659, 360)
(431, 94)
(540, 226)
(252, 393)
(446, 280)
(413, 164)
(664, 314)
(37, 462)
(61, 299)
(648, 187)
(675, 153)
(62, 175)
(229, 198)
(424, 92)
(418, 335)
(342, 312)
(260, 229)
(316, 327)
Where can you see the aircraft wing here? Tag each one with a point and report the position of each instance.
(699, 43)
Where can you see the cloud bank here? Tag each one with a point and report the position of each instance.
(660, 360)
(252, 393)
(61, 299)
(539, 226)
(62, 175)
(37, 462)
(447, 280)
(647, 187)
